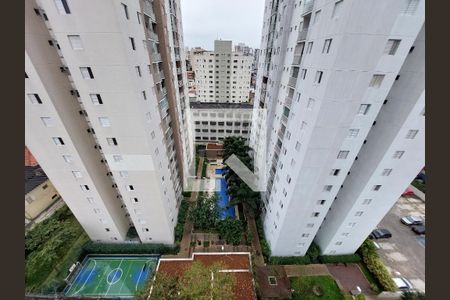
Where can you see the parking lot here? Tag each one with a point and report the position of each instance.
(405, 251)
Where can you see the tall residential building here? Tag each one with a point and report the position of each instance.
(345, 121)
(222, 75)
(107, 111)
(241, 47)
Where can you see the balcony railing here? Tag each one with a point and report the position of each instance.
(284, 119)
(288, 102)
(156, 57)
(297, 59)
(157, 77)
(177, 56)
(180, 83)
(308, 7)
(292, 82)
(152, 35)
(148, 9)
(302, 35)
(163, 104)
(179, 71)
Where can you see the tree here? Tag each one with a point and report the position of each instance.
(165, 287)
(231, 230)
(205, 214)
(206, 282)
(409, 295)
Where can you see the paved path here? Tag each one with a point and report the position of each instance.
(256, 245)
(185, 244)
(306, 270)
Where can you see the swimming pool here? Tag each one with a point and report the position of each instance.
(223, 198)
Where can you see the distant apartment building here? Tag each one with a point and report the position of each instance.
(241, 47)
(222, 75)
(107, 112)
(215, 121)
(345, 104)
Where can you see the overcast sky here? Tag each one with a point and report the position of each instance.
(236, 20)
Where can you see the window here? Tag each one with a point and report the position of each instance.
(412, 134)
(351, 224)
(315, 214)
(48, 122)
(125, 10)
(96, 99)
(321, 202)
(144, 95)
(337, 9)
(134, 200)
(338, 243)
(90, 200)
(111, 141)
(363, 109)
(376, 187)
(366, 201)
(77, 174)
(327, 188)
(68, 158)
(305, 235)
(310, 225)
(75, 42)
(123, 174)
(326, 46)
(343, 154)
(309, 48)
(58, 141)
(34, 98)
(376, 81)
(138, 71)
(86, 72)
(386, 172)
(297, 146)
(84, 188)
(317, 16)
(104, 121)
(353, 133)
(117, 158)
(303, 74)
(335, 172)
(398, 154)
(130, 188)
(318, 78)
(132, 43)
(358, 214)
(391, 47)
(62, 7)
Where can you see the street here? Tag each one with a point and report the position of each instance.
(405, 251)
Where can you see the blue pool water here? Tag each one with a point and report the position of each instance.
(224, 199)
(219, 171)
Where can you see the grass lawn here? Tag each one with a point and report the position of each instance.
(303, 288)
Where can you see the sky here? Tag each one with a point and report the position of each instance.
(236, 20)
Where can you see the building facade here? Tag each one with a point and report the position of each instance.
(215, 121)
(325, 76)
(222, 75)
(107, 112)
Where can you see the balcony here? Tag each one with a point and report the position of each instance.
(179, 71)
(163, 104)
(292, 82)
(153, 36)
(180, 83)
(177, 56)
(297, 59)
(308, 7)
(161, 93)
(288, 102)
(157, 77)
(284, 119)
(302, 35)
(148, 9)
(156, 57)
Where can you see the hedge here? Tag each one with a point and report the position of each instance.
(182, 214)
(331, 259)
(289, 260)
(128, 248)
(376, 266)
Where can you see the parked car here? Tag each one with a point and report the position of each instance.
(402, 283)
(419, 229)
(380, 234)
(411, 220)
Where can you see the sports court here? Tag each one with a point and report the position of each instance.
(111, 276)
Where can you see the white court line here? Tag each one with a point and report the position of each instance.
(82, 287)
(99, 281)
(107, 291)
(140, 274)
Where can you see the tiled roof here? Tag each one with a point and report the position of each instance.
(34, 176)
(29, 158)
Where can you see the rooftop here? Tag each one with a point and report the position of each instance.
(212, 105)
(34, 176)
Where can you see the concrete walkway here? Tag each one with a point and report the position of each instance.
(185, 244)
(306, 270)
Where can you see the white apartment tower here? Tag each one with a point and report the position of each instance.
(106, 111)
(345, 122)
(222, 75)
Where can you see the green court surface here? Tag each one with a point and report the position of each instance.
(111, 276)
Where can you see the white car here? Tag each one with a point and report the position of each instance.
(411, 220)
(402, 283)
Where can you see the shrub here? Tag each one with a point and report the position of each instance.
(265, 248)
(376, 266)
(205, 214)
(128, 248)
(231, 230)
(182, 214)
(313, 253)
(205, 243)
(330, 259)
(412, 295)
(289, 260)
(187, 194)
